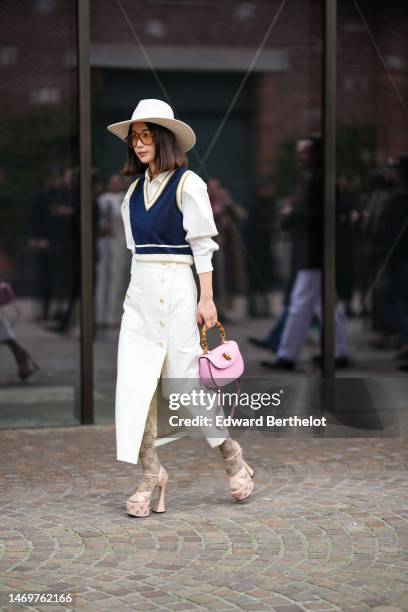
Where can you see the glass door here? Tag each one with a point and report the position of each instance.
(39, 216)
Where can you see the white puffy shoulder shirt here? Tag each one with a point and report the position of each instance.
(198, 219)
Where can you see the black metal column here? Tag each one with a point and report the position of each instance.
(84, 92)
(329, 135)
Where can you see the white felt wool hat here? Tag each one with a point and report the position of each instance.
(157, 111)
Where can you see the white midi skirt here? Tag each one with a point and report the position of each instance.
(159, 336)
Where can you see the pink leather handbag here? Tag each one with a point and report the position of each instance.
(221, 365)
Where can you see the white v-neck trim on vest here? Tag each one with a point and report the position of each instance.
(159, 191)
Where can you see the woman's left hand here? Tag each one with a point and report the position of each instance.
(207, 312)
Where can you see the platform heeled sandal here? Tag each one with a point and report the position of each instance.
(244, 478)
(139, 503)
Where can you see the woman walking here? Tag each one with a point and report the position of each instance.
(169, 226)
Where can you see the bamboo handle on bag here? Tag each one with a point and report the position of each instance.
(204, 336)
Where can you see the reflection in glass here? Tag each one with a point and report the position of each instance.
(372, 177)
(39, 218)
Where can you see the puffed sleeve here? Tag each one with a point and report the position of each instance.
(198, 221)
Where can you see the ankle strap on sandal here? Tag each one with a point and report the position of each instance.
(234, 455)
(151, 474)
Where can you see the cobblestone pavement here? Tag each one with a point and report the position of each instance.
(325, 530)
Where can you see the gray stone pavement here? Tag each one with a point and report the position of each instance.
(326, 529)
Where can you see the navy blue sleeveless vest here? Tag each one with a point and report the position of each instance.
(160, 228)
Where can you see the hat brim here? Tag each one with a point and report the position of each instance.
(183, 132)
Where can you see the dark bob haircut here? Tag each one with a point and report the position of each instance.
(169, 154)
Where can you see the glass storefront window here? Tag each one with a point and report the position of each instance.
(39, 216)
(372, 178)
(255, 105)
